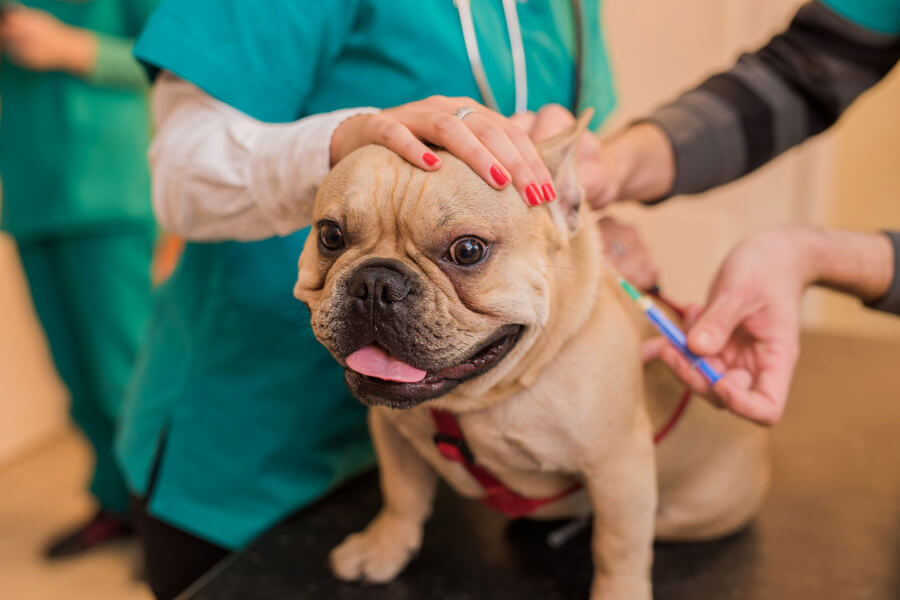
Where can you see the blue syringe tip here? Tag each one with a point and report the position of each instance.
(677, 338)
(706, 369)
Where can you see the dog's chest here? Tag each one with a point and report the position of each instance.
(522, 450)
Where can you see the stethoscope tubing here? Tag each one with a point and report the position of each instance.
(517, 49)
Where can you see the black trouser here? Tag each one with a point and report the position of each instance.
(174, 559)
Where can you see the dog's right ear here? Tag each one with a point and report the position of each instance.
(558, 153)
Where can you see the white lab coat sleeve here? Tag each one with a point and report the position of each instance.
(219, 174)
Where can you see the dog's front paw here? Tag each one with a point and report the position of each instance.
(378, 553)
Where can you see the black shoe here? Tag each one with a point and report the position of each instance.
(102, 529)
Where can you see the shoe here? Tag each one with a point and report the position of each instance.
(102, 529)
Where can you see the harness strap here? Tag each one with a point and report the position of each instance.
(451, 444)
(667, 428)
(453, 447)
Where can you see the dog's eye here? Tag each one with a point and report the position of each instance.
(466, 251)
(330, 235)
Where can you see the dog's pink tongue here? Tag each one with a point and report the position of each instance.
(373, 361)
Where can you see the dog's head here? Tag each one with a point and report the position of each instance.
(421, 282)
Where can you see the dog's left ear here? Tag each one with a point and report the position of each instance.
(558, 153)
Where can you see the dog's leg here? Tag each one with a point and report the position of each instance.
(378, 553)
(623, 493)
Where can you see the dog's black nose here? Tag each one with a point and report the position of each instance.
(378, 287)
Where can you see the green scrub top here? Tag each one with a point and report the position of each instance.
(242, 415)
(73, 150)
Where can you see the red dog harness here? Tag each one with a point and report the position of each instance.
(452, 445)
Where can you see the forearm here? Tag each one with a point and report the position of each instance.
(644, 160)
(219, 174)
(862, 264)
(793, 88)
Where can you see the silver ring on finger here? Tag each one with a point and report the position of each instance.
(463, 111)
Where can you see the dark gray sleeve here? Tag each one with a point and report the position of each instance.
(795, 87)
(891, 301)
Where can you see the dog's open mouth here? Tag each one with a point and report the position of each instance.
(377, 378)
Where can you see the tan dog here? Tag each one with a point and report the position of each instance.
(438, 292)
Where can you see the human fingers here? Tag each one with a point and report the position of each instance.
(516, 154)
(626, 249)
(651, 349)
(685, 371)
(530, 154)
(759, 396)
(524, 120)
(550, 120)
(716, 324)
(387, 131)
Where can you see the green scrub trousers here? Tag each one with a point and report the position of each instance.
(91, 293)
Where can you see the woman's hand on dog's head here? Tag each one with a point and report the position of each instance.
(496, 148)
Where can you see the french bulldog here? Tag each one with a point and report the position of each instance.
(439, 293)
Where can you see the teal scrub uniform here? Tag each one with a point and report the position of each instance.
(237, 414)
(76, 199)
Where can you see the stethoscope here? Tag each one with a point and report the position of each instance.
(517, 48)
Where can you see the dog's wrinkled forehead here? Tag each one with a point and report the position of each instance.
(376, 194)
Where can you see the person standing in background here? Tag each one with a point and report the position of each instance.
(74, 130)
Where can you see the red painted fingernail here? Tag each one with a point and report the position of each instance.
(533, 195)
(549, 192)
(430, 159)
(498, 175)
